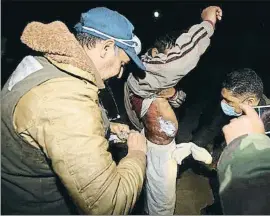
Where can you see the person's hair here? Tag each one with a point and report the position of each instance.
(244, 81)
(90, 41)
(87, 40)
(164, 42)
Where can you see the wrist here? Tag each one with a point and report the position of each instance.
(136, 151)
(211, 22)
(174, 96)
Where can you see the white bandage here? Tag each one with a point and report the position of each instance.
(167, 127)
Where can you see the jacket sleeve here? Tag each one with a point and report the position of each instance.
(70, 125)
(207, 133)
(182, 58)
(244, 175)
(189, 47)
(197, 37)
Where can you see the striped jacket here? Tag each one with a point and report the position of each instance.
(166, 70)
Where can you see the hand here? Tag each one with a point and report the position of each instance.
(178, 99)
(167, 93)
(136, 141)
(245, 124)
(212, 13)
(121, 130)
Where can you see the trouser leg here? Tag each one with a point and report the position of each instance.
(160, 186)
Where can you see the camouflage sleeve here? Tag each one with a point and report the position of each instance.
(244, 175)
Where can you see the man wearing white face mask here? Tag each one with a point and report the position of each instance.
(239, 86)
(242, 86)
(54, 146)
(244, 166)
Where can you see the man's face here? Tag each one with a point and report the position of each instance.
(234, 101)
(108, 59)
(154, 52)
(115, 63)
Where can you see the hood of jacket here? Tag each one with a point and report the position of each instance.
(61, 48)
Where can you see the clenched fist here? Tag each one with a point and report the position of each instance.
(212, 13)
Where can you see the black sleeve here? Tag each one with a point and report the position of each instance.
(207, 130)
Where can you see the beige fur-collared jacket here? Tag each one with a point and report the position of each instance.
(61, 117)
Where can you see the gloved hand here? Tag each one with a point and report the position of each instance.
(178, 99)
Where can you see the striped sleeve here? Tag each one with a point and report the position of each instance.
(196, 39)
(181, 59)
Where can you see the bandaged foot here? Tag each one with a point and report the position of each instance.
(185, 149)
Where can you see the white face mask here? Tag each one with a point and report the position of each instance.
(229, 110)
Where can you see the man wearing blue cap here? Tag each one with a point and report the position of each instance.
(54, 130)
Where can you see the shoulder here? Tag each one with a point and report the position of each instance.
(267, 100)
(52, 95)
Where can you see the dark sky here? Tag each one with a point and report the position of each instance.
(249, 19)
(240, 40)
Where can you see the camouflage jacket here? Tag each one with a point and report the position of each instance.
(244, 175)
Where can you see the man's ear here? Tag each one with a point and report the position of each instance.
(154, 52)
(252, 101)
(107, 47)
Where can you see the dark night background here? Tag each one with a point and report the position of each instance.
(241, 39)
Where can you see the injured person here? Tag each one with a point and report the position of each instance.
(149, 102)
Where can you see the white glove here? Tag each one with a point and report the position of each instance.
(178, 99)
(185, 149)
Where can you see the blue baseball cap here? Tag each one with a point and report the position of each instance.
(108, 24)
